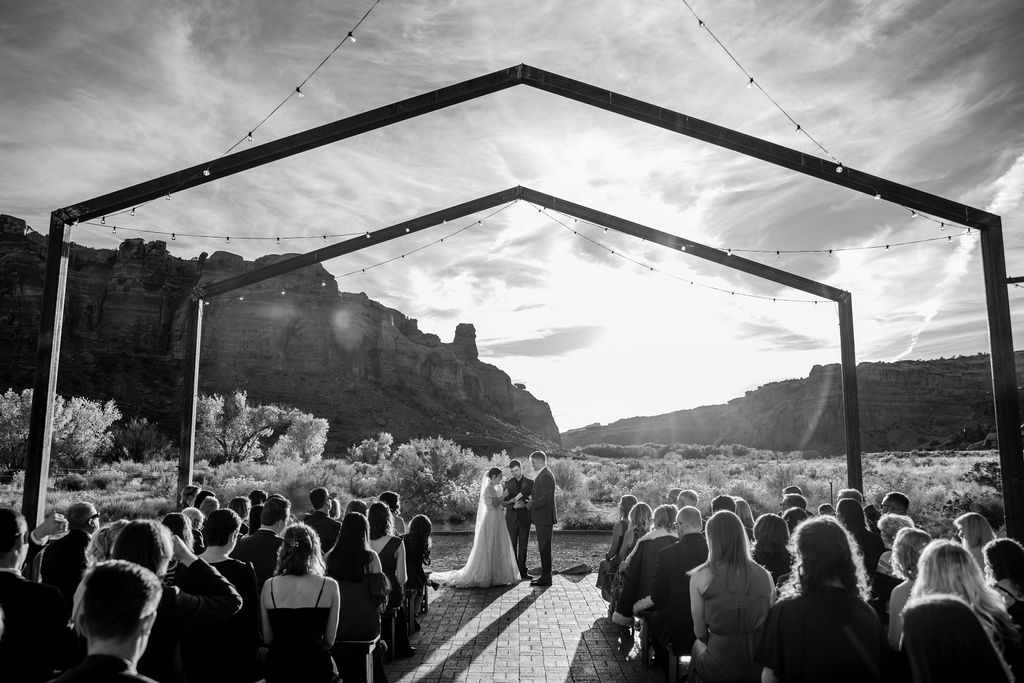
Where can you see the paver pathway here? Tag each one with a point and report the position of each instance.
(519, 633)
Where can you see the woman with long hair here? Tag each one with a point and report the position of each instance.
(974, 531)
(299, 609)
(822, 628)
(610, 563)
(746, 516)
(1004, 569)
(851, 515)
(641, 521)
(391, 551)
(946, 641)
(642, 563)
(730, 595)
(906, 551)
(771, 540)
(884, 579)
(417, 556)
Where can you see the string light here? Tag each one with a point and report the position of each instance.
(248, 136)
(298, 91)
(351, 37)
(282, 292)
(132, 212)
(206, 172)
(750, 83)
(228, 238)
(173, 236)
(103, 221)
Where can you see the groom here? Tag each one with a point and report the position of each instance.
(517, 514)
(542, 510)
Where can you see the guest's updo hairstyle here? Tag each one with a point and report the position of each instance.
(347, 559)
(665, 516)
(220, 525)
(101, 545)
(180, 526)
(493, 472)
(300, 553)
(823, 552)
(147, 543)
(381, 522)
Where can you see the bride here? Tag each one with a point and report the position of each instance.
(492, 561)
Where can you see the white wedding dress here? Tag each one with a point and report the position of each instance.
(492, 562)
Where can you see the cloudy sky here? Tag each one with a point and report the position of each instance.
(102, 94)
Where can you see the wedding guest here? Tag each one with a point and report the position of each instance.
(906, 551)
(771, 540)
(723, 502)
(119, 609)
(672, 621)
(642, 564)
(197, 519)
(793, 500)
(730, 595)
(896, 503)
(209, 504)
(64, 559)
(746, 516)
(391, 499)
(871, 518)
(826, 509)
(851, 516)
(335, 511)
(101, 545)
(261, 548)
(354, 565)
(884, 579)
(203, 645)
(210, 596)
(1004, 570)
(319, 519)
(946, 641)
(391, 552)
(417, 544)
(180, 526)
(974, 531)
(257, 497)
(793, 517)
(822, 628)
(240, 505)
(188, 495)
(672, 496)
(687, 498)
(357, 506)
(793, 489)
(201, 496)
(641, 519)
(299, 609)
(851, 494)
(36, 639)
(610, 563)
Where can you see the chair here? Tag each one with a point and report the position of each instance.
(645, 637)
(363, 648)
(410, 618)
(391, 617)
(673, 664)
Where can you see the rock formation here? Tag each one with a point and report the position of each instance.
(363, 366)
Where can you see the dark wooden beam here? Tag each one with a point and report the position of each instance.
(1004, 379)
(851, 399)
(1014, 280)
(44, 389)
(189, 394)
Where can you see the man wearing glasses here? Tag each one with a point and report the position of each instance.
(64, 559)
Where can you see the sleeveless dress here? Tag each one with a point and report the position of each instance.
(299, 652)
(735, 615)
(492, 561)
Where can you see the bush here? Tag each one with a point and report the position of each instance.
(373, 450)
(567, 473)
(140, 441)
(435, 477)
(71, 482)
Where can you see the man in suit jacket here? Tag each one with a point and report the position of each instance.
(542, 511)
(517, 513)
(36, 639)
(260, 549)
(64, 559)
(325, 527)
(672, 620)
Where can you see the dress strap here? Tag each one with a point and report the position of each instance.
(322, 584)
(272, 601)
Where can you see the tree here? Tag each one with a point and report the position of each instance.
(304, 438)
(140, 441)
(374, 450)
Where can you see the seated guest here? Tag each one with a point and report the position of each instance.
(196, 519)
(851, 494)
(822, 628)
(974, 531)
(606, 570)
(672, 621)
(203, 645)
(687, 498)
(260, 549)
(357, 506)
(36, 640)
(391, 552)
(884, 579)
(641, 520)
(353, 564)
(1004, 569)
(210, 597)
(299, 609)
(906, 551)
(771, 539)
(672, 496)
(793, 517)
(730, 595)
(793, 500)
(871, 517)
(325, 527)
(746, 516)
(391, 499)
(642, 564)
(851, 516)
(723, 502)
(257, 497)
(119, 606)
(240, 505)
(64, 559)
(946, 641)
(417, 555)
(209, 504)
(188, 495)
(793, 489)
(896, 503)
(826, 509)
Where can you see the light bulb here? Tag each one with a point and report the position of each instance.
(830, 253)
(228, 240)
(750, 83)
(103, 221)
(168, 197)
(298, 91)
(878, 195)
(249, 136)
(407, 229)
(798, 129)
(351, 37)
(913, 214)
(942, 226)
(323, 284)
(132, 212)
(839, 168)
(682, 248)
(282, 292)
(241, 298)
(367, 235)
(173, 236)
(778, 254)
(206, 172)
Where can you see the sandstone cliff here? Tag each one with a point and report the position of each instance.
(363, 366)
(903, 405)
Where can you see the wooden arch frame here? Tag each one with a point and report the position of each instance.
(989, 225)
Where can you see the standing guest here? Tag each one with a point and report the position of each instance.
(197, 520)
(851, 516)
(1004, 569)
(746, 516)
(353, 564)
(64, 559)
(209, 504)
(518, 489)
(320, 519)
(610, 563)
(771, 540)
(101, 545)
(643, 563)
(203, 495)
(871, 517)
(885, 580)
(36, 639)
(672, 620)
(257, 497)
(730, 595)
(119, 608)
(417, 544)
(204, 645)
(851, 494)
(210, 597)
(188, 495)
(793, 517)
(391, 499)
(391, 552)
(822, 628)
(906, 551)
(946, 641)
(687, 498)
(299, 609)
(335, 511)
(672, 496)
(240, 505)
(793, 489)
(180, 526)
(896, 503)
(261, 548)
(793, 500)
(974, 531)
(826, 509)
(357, 506)
(723, 502)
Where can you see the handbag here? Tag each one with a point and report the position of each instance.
(380, 589)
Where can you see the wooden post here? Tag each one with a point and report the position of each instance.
(44, 391)
(189, 391)
(1004, 378)
(851, 400)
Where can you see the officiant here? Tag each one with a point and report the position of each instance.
(518, 490)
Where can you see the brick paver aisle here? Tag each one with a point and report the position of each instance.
(557, 634)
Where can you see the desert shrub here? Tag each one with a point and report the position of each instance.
(986, 474)
(577, 512)
(73, 481)
(374, 450)
(567, 473)
(436, 477)
(140, 441)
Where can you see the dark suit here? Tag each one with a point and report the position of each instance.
(260, 550)
(673, 622)
(36, 637)
(64, 563)
(101, 669)
(518, 520)
(542, 511)
(325, 527)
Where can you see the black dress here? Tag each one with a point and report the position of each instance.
(417, 577)
(389, 565)
(777, 564)
(299, 652)
(358, 620)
